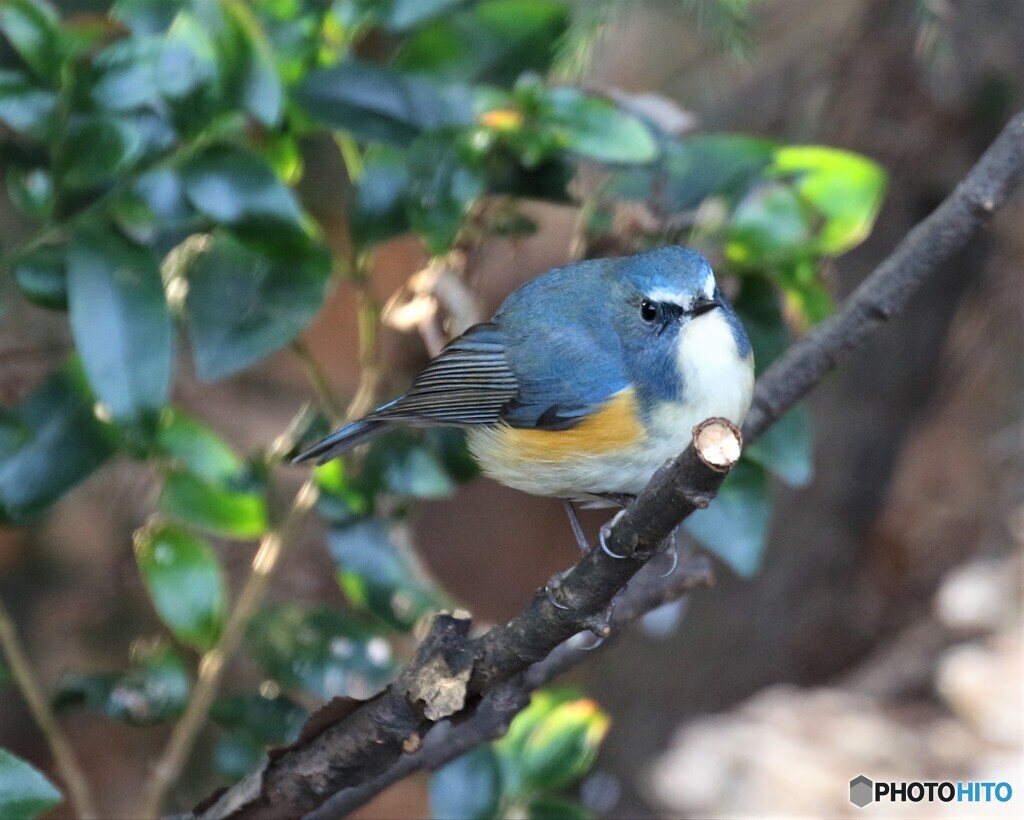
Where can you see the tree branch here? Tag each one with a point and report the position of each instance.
(362, 748)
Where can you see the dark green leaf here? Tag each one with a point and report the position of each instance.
(147, 16)
(845, 188)
(271, 301)
(556, 808)
(786, 448)
(321, 650)
(127, 74)
(31, 191)
(758, 307)
(379, 210)
(43, 278)
(195, 447)
(185, 581)
(376, 103)
(164, 195)
(24, 107)
(563, 746)
(493, 42)
(597, 129)
(449, 444)
(32, 28)
(380, 576)
(121, 323)
(155, 690)
(441, 187)
(214, 508)
(188, 60)
(24, 790)
(252, 78)
(735, 526)
(267, 720)
(236, 755)
(49, 443)
(403, 464)
(238, 189)
(97, 150)
(468, 788)
(406, 14)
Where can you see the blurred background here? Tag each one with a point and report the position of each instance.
(880, 630)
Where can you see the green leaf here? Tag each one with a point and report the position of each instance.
(771, 226)
(121, 322)
(758, 307)
(193, 446)
(845, 188)
(563, 746)
(251, 75)
(468, 788)
(24, 107)
(97, 150)
(376, 103)
(163, 193)
(31, 191)
(43, 278)
(542, 703)
(128, 74)
(153, 691)
(48, 443)
(236, 755)
(378, 575)
(240, 190)
(402, 15)
(147, 16)
(271, 301)
(595, 128)
(786, 448)
(441, 187)
(401, 463)
(213, 508)
(321, 650)
(378, 213)
(32, 29)
(340, 501)
(188, 59)
(556, 808)
(185, 581)
(735, 526)
(24, 790)
(267, 720)
(492, 42)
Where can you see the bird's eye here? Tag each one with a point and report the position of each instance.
(648, 310)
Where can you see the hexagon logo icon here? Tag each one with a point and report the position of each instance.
(862, 791)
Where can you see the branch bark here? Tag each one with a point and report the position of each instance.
(371, 744)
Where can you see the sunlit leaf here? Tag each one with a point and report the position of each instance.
(213, 507)
(185, 582)
(321, 650)
(735, 526)
(32, 29)
(340, 501)
(121, 323)
(770, 226)
(468, 788)
(48, 443)
(379, 575)
(786, 447)
(154, 690)
(271, 301)
(25, 792)
(597, 129)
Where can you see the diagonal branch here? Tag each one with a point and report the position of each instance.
(370, 743)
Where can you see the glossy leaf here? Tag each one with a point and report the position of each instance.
(154, 690)
(379, 575)
(564, 746)
(494, 42)
(321, 650)
(441, 187)
(770, 227)
(468, 788)
(25, 107)
(597, 129)
(379, 210)
(42, 277)
(845, 188)
(735, 526)
(252, 723)
(213, 507)
(251, 74)
(376, 103)
(24, 791)
(194, 447)
(185, 582)
(403, 464)
(48, 443)
(32, 29)
(121, 322)
(127, 74)
(271, 301)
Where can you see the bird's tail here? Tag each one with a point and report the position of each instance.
(342, 440)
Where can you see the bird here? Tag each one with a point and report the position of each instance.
(585, 381)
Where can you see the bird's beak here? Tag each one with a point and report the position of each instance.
(703, 305)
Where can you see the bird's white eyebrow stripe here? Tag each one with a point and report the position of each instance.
(663, 295)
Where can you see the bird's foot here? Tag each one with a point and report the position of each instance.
(603, 534)
(553, 589)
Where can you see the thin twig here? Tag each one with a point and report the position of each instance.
(212, 665)
(38, 705)
(369, 370)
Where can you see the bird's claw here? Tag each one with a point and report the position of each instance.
(675, 561)
(552, 588)
(600, 626)
(604, 546)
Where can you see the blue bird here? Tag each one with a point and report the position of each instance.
(586, 380)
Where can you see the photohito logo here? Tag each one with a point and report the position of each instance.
(864, 791)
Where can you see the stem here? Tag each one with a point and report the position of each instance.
(63, 756)
(369, 380)
(213, 663)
